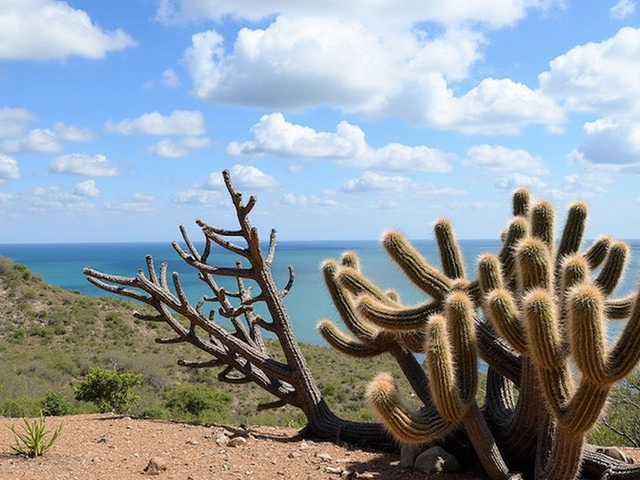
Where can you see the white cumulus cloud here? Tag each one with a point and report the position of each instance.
(599, 77)
(498, 160)
(170, 78)
(610, 141)
(51, 29)
(344, 62)
(622, 9)
(168, 148)
(8, 168)
(245, 177)
(82, 164)
(14, 121)
(178, 122)
(88, 188)
(274, 135)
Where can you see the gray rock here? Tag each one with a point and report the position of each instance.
(408, 455)
(436, 460)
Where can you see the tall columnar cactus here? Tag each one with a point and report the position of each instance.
(536, 314)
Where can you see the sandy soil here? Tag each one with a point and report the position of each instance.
(110, 447)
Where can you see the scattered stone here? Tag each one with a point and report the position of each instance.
(436, 460)
(222, 439)
(294, 455)
(408, 455)
(237, 442)
(348, 474)
(156, 466)
(192, 441)
(304, 445)
(333, 470)
(325, 457)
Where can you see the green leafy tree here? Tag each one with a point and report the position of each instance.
(109, 390)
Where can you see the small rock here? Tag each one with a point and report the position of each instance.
(348, 474)
(304, 445)
(333, 470)
(436, 460)
(325, 457)
(222, 439)
(408, 455)
(237, 441)
(192, 441)
(155, 466)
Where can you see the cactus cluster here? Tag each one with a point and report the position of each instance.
(537, 315)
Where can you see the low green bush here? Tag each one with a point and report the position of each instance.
(197, 403)
(109, 390)
(55, 404)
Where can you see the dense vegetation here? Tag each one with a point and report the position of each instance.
(52, 338)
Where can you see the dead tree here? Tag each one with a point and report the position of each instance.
(236, 344)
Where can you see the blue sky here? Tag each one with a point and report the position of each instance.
(343, 118)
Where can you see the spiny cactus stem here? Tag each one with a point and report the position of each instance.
(534, 265)
(423, 426)
(489, 274)
(588, 333)
(504, 315)
(613, 268)
(597, 252)
(341, 342)
(543, 331)
(343, 303)
(414, 265)
(542, 222)
(450, 255)
(573, 231)
(395, 317)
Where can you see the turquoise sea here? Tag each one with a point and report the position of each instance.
(308, 301)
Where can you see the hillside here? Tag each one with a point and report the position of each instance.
(51, 337)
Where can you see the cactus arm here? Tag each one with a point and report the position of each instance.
(542, 222)
(416, 427)
(489, 274)
(545, 342)
(358, 284)
(424, 276)
(503, 313)
(450, 254)
(625, 354)
(396, 317)
(343, 343)
(587, 324)
(573, 232)
(342, 301)
(597, 252)
(442, 374)
(613, 267)
(620, 308)
(521, 200)
(350, 259)
(516, 231)
(534, 265)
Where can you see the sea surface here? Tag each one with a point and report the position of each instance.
(307, 302)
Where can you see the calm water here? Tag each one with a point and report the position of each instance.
(307, 303)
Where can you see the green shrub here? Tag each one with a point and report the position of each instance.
(197, 403)
(55, 404)
(109, 390)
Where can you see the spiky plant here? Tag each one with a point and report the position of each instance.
(536, 314)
